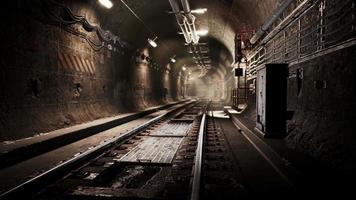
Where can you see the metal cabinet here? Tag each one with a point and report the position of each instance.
(271, 100)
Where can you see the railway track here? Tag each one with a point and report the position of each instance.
(123, 167)
(239, 165)
(184, 154)
(222, 178)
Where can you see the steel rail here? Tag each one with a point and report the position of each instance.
(197, 170)
(55, 172)
(267, 153)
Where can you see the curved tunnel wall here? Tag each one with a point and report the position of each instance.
(52, 78)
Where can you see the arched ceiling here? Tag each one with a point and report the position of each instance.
(223, 19)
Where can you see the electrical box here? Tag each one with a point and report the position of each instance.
(238, 72)
(271, 100)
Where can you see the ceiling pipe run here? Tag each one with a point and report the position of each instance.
(181, 20)
(270, 22)
(186, 7)
(192, 28)
(190, 21)
(186, 21)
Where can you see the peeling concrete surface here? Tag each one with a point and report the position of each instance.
(324, 118)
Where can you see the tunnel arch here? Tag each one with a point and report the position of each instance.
(106, 75)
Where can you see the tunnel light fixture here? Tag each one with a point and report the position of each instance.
(199, 11)
(173, 59)
(184, 68)
(106, 3)
(152, 42)
(202, 32)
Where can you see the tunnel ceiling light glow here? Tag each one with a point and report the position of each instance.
(199, 11)
(106, 3)
(202, 32)
(184, 68)
(152, 42)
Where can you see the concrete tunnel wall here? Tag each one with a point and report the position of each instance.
(324, 118)
(322, 123)
(51, 78)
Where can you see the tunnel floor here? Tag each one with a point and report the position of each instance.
(157, 161)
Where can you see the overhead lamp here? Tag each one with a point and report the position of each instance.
(199, 11)
(173, 60)
(106, 3)
(184, 68)
(152, 42)
(203, 32)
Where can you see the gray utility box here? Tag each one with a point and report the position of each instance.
(271, 100)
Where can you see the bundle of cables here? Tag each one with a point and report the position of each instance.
(60, 15)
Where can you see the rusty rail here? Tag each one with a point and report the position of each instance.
(197, 170)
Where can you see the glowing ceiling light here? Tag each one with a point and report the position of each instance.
(202, 32)
(184, 68)
(173, 59)
(199, 11)
(106, 3)
(152, 42)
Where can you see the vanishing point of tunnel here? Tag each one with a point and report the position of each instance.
(177, 99)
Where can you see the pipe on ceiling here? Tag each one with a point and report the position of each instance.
(175, 6)
(185, 21)
(192, 28)
(181, 20)
(270, 22)
(190, 21)
(186, 7)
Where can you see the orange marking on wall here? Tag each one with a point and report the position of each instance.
(75, 66)
(74, 61)
(93, 66)
(61, 62)
(68, 61)
(80, 64)
(84, 65)
(89, 66)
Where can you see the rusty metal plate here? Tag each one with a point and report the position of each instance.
(172, 129)
(154, 150)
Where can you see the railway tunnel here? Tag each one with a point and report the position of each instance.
(177, 99)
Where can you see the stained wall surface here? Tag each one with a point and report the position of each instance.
(53, 77)
(324, 116)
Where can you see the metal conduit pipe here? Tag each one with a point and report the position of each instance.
(181, 20)
(269, 23)
(190, 21)
(175, 7)
(185, 29)
(192, 29)
(186, 7)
